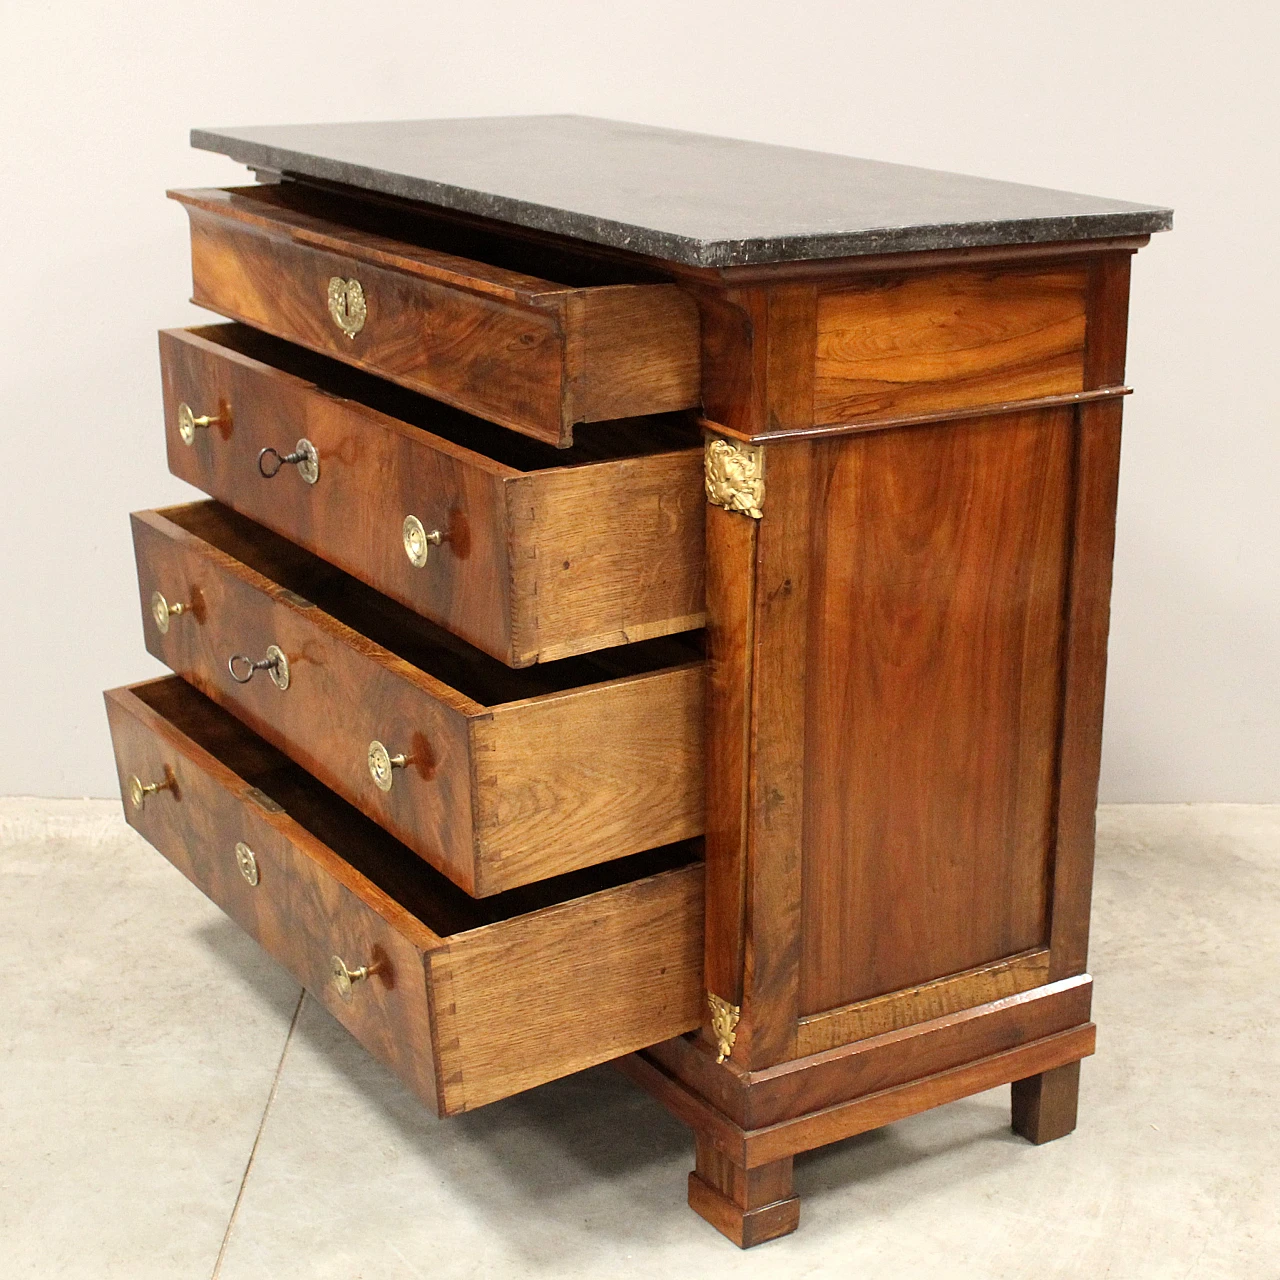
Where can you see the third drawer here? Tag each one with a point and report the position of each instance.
(496, 777)
(543, 552)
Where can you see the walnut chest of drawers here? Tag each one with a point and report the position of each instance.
(651, 606)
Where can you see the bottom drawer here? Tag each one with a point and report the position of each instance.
(466, 1000)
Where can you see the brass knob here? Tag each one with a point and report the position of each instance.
(347, 306)
(188, 422)
(344, 979)
(305, 456)
(139, 790)
(418, 542)
(247, 861)
(382, 765)
(162, 611)
(242, 667)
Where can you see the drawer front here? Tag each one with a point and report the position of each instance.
(463, 1019)
(299, 911)
(492, 797)
(529, 354)
(531, 565)
(342, 695)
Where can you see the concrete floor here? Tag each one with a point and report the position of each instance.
(172, 1107)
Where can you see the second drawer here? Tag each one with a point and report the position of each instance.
(496, 777)
(543, 552)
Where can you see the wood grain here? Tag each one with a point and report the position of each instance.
(594, 773)
(934, 672)
(762, 1147)
(749, 1206)
(606, 554)
(754, 1099)
(1045, 1105)
(502, 999)
(845, 1119)
(622, 968)
(476, 800)
(731, 551)
(527, 353)
(1088, 613)
(907, 343)
(918, 1004)
(308, 904)
(546, 552)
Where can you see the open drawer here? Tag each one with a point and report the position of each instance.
(496, 777)
(459, 313)
(466, 1001)
(539, 553)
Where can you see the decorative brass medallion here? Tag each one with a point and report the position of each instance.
(247, 861)
(382, 765)
(724, 1022)
(417, 541)
(162, 611)
(347, 305)
(735, 476)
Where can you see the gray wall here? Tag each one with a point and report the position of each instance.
(1168, 102)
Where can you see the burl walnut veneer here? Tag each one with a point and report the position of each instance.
(908, 389)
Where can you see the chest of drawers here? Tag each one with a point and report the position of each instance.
(651, 607)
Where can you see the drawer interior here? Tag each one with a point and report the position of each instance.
(426, 894)
(442, 232)
(594, 442)
(432, 649)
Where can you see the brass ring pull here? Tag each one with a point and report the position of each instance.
(162, 611)
(382, 765)
(344, 979)
(305, 456)
(188, 423)
(417, 541)
(139, 790)
(275, 663)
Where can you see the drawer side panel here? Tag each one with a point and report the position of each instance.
(544, 995)
(597, 773)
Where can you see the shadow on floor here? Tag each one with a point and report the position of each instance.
(591, 1146)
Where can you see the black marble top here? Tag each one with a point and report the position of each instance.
(683, 197)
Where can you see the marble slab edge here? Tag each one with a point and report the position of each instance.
(686, 250)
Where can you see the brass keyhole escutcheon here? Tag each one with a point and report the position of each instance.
(418, 542)
(382, 765)
(162, 611)
(347, 305)
(247, 861)
(344, 979)
(189, 424)
(139, 790)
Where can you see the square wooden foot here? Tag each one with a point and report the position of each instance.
(1044, 1106)
(749, 1206)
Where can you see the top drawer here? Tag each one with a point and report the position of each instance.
(385, 289)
